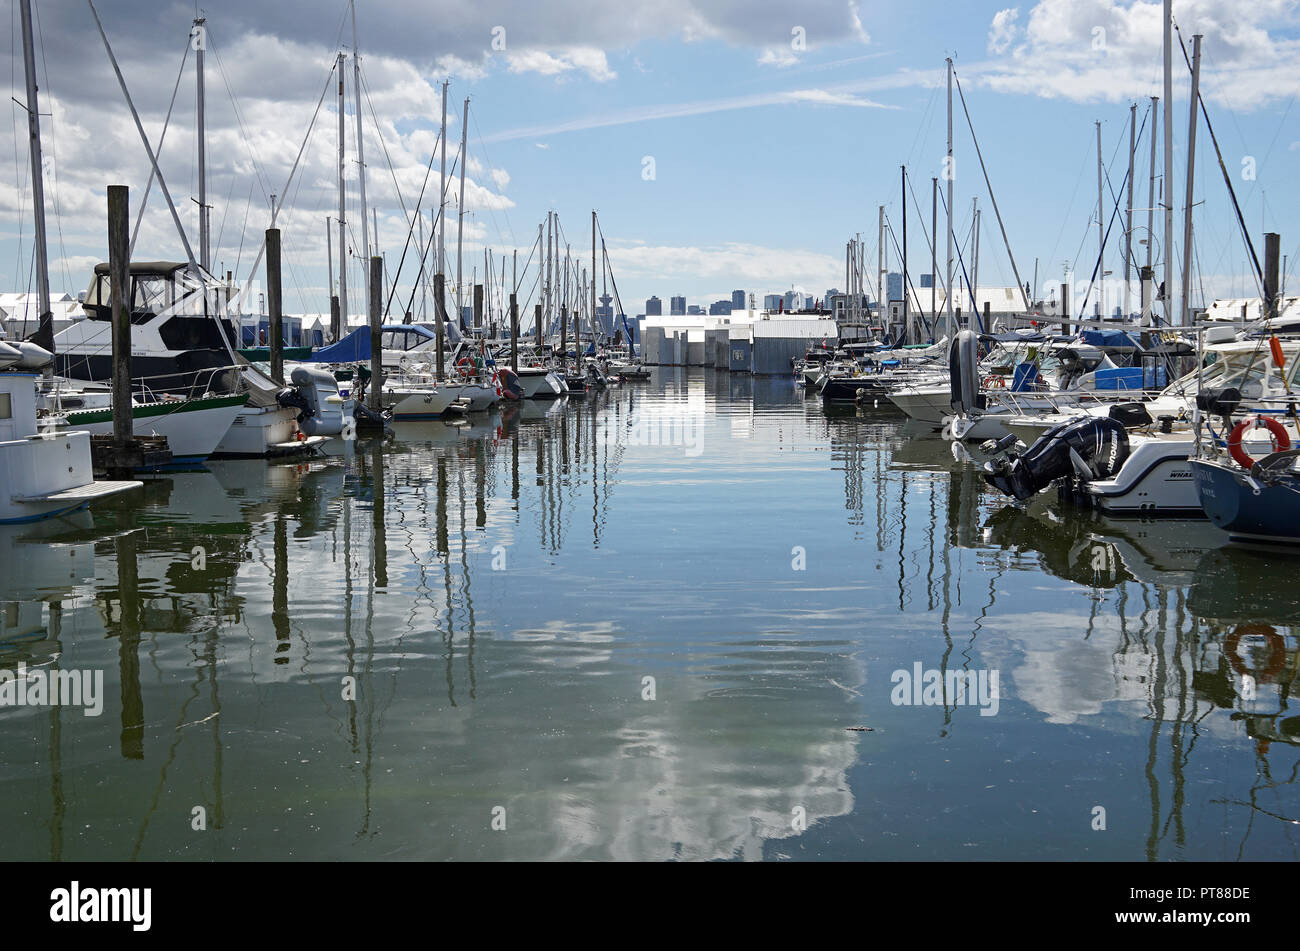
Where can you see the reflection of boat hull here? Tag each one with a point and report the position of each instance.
(1252, 512)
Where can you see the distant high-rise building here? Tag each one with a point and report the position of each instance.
(737, 300)
(927, 281)
(654, 307)
(721, 308)
(678, 305)
(694, 309)
(894, 286)
(772, 301)
(605, 314)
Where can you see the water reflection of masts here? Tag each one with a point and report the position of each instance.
(58, 804)
(131, 738)
(378, 579)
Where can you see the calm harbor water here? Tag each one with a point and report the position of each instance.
(644, 626)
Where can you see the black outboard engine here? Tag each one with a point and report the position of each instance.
(1090, 448)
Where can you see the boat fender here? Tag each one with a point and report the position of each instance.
(1281, 441)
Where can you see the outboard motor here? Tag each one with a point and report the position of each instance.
(315, 394)
(963, 373)
(1090, 448)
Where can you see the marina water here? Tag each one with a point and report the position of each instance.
(695, 619)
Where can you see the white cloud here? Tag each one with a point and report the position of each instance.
(1111, 50)
(1002, 32)
(779, 56)
(586, 59)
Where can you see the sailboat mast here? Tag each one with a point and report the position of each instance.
(200, 109)
(343, 233)
(44, 336)
(1151, 186)
(593, 278)
(1128, 222)
(1166, 188)
(361, 154)
(1101, 235)
(950, 173)
(442, 191)
(1186, 311)
(460, 214)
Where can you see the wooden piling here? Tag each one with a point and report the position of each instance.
(514, 332)
(478, 306)
(119, 276)
(440, 311)
(273, 305)
(1272, 252)
(376, 347)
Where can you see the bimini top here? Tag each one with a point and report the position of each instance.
(147, 267)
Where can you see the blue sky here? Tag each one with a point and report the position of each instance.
(766, 157)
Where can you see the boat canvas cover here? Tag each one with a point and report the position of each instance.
(1111, 339)
(354, 348)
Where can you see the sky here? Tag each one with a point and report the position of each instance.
(724, 144)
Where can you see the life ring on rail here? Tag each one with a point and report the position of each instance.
(465, 366)
(1276, 651)
(1281, 440)
(993, 382)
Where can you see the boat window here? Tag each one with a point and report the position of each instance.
(152, 294)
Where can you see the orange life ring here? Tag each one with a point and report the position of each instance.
(1276, 650)
(1281, 440)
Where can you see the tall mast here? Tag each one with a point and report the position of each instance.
(44, 336)
(1186, 311)
(442, 190)
(460, 212)
(343, 226)
(1166, 188)
(424, 287)
(546, 303)
(903, 184)
(205, 254)
(950, 173)
(934, 251)
(593, 277)
(361, 154)
(1128, 224)
(1151, 187)
(974, 262)
(1101, 236)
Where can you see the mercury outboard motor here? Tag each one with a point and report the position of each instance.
(1091, 448)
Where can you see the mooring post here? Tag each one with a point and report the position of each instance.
(478, 307)
(1065, 309)
(376, 350)
(273, 307)
(440, 311)
(119, 275)
(514, 332)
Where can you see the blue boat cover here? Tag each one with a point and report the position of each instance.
(1107, 338)
(354, 348)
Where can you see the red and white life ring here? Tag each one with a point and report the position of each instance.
(1276, 651)
(1281, 440)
